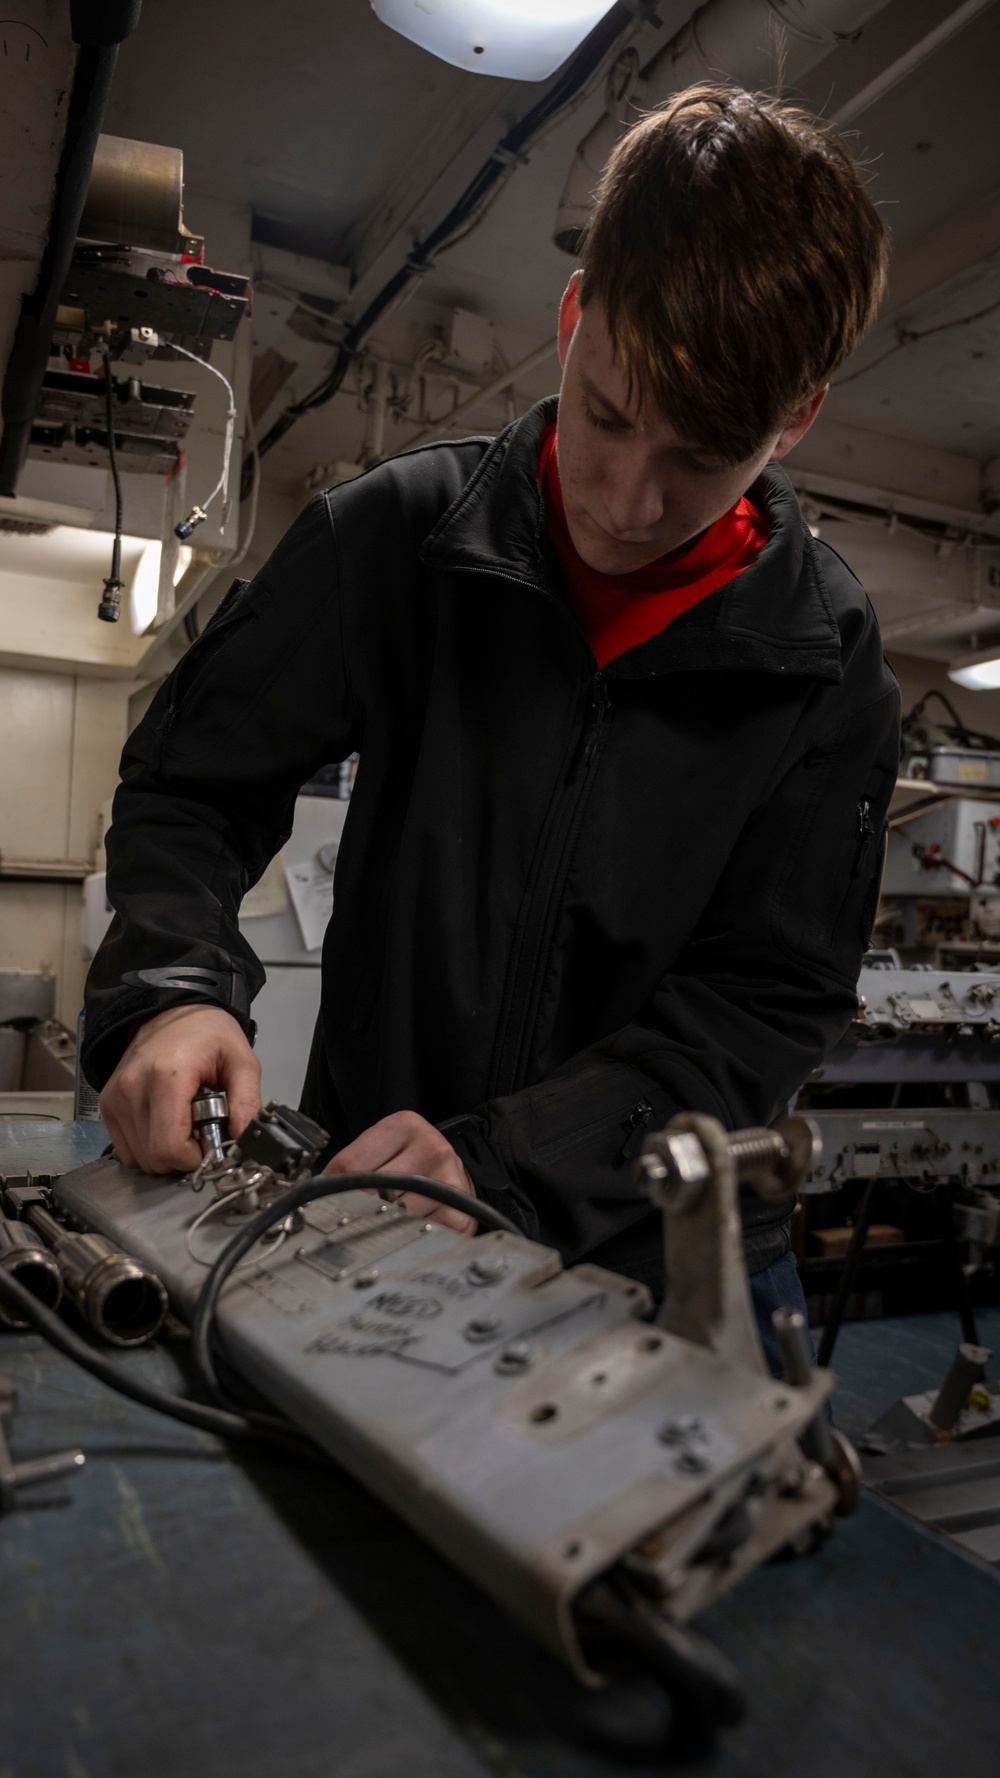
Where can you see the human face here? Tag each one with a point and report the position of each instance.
(633, 488)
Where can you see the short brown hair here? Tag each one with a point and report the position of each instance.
(738, 259)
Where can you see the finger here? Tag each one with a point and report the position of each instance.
(118, 1111)
(116, 1131)
(239, 1073)
(170, 1145)
(432, 1211)
(372, 1150)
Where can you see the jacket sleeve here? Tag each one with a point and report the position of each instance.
(208, 783)
(765, 986)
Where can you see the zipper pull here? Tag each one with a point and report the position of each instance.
(599, 701)
(863, 833)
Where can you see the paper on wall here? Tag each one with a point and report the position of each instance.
(310, 886)
(269, 896)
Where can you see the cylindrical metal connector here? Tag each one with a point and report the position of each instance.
(967, 1368)
(209, 1118)
(121, 1299)
(820, 1440)
(28, 1260)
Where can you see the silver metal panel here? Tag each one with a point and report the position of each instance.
(532, 1480)
(960, 1146)
(905, 1000)
(26, 994)
(958, 766)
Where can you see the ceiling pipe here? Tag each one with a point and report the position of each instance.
(733, 40)
(907, 64)
(98, 27)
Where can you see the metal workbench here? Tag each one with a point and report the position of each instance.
(178, 1612)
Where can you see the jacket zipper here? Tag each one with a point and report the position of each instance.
(540, 907)
(543, 894)
(863, 834)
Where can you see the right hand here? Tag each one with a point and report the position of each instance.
(146, 1104)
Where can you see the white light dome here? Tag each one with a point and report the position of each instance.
(516, 39)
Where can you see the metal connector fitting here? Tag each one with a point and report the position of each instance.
(121, 1299)
(27, 1259)
(210, 1121)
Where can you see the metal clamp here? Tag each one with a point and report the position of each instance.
(678, 1160)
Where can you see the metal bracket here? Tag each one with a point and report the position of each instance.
(14, 1476)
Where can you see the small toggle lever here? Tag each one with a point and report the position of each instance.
(14, 1476)
(210, 1119)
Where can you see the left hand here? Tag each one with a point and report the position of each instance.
(406, 1143)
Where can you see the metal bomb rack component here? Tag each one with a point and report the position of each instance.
(277, 1147)
(604, 1479)
(121, 1299)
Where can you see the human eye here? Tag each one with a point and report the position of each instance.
(598, 420)
(698, 466)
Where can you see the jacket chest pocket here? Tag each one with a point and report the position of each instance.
(827, 899)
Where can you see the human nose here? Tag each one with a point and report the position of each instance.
(634, 499)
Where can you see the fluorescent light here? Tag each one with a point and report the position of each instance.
(980, 676)
(516, 39)
(143, 592)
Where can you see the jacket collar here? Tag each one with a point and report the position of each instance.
(775, 617)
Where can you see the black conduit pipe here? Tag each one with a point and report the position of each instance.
(98, 26)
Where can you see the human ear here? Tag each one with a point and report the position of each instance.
(798, 424)
(569, 315)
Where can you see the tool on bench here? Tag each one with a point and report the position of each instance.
(31, 1470)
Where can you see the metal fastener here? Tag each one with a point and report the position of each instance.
(692, 1463)
(365, 1279)
(488, 1269)
(518, 1356)
(686, 1429)
(483, 1327)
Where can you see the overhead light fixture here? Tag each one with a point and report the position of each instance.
(978, 675)
(515, 39)
(143, 593)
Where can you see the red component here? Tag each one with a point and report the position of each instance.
(995, 822)
(80, 364)
(193, 258)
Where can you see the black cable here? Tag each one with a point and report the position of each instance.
(109, 610)
(226, 1422)
(968, 737)
(307, 1191)
(209, 1419)
(509, 153)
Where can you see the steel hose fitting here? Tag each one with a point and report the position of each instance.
(120, 1298)
(28, 1260)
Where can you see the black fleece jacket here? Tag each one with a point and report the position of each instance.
(568, 902)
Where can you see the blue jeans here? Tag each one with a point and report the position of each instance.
(780, 1287)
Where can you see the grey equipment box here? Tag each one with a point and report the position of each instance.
(960, 833)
